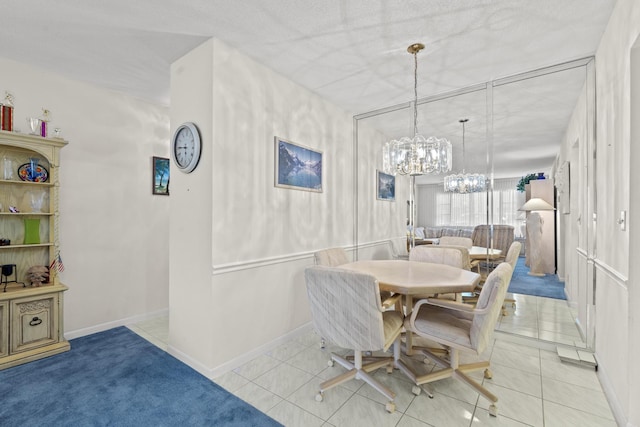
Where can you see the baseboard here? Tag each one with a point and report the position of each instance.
(114, 324)
(612, 398)
(213, 373)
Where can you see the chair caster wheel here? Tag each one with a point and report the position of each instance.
(319, 397)
(493, 410)
(488, 374)
(390, 407)
(330, 363)
(416, 390)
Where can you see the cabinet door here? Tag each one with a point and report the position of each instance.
(34, 322)
(4, 328)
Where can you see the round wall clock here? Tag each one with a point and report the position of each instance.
(186, 147)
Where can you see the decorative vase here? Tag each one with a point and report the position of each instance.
(31, 231)
(37, 200)
(7, 164)
(33, 165)
(540, 175)
(34, 125)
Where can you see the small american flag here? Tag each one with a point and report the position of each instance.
(57, 263)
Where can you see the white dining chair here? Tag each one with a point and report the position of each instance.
(346, 310)
(460, 327)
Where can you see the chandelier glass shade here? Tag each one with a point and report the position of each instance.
(463, 182)
(417, 155)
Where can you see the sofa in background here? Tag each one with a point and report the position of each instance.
(437, 232)
(503, 235)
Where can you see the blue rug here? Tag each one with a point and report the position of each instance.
(116, 378)
(547, 286)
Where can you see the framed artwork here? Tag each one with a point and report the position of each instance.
(563, 188)
(161, 176)
(385, 186)
(297, 167)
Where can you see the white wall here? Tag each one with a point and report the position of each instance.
(113, 231)
(190, 292)
(252, 239)
(613, 193)
(616, 296)
(378, 220)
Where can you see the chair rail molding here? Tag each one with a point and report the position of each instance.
(619, 278)
(231, 267)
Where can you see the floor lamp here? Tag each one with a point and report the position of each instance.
(534, 232)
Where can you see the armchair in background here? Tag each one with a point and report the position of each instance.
(500, 238)
(466, 242)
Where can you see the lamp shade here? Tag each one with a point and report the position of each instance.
(536, 204)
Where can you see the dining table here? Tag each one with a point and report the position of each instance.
(415, 278)
(479, 252)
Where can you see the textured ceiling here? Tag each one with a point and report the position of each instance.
(352, 53)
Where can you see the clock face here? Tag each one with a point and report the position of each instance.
(186, 147)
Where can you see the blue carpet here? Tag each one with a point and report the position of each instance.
(116, 378)
(548, 286)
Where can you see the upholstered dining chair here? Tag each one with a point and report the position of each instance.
(466, 242)
(331, 257)
(455, 256)
(334, 257)
(512, 259)
(460, 327)
(346, 310)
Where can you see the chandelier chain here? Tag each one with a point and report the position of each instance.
(463, 151)
(415, 93)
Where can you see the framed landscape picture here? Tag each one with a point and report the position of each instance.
(297, 167)
(161, 176)
(385, 186)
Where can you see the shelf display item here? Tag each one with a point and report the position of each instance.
(34, 125)
(7, 165)
(6, 113)
(27, 172)
(37, 200)
(8, 270)
(31, 231)
(37, 275)
(44, 123)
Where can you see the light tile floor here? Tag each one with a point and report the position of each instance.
(546, 319)
(534, 387)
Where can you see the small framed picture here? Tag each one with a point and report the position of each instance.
(161, 176)
(297, 167)
(385, 186)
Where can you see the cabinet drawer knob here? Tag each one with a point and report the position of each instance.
(35, 321)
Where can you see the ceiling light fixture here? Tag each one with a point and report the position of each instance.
(464, 183)
(417, 155)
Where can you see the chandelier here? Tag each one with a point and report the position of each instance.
(417, 155)
(465, 182)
